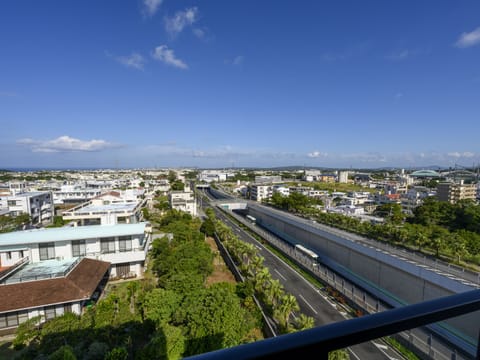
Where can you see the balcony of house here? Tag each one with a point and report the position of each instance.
(119, 256)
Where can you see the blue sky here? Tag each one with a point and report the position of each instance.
(151, 83)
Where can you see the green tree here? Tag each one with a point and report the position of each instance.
(274, 291)
(26, 332)
(338, 355)
(304, 322)
(118, 353)
(64, 352)
(159, 305)
(208, 227)
(213, 318)
(288, 304)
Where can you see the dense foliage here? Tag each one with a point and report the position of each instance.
(166, 317)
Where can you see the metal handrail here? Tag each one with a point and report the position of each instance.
(319, 341)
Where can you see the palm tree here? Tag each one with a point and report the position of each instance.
(288, 304)
(262, 279)
(248, 250)
(274, 291)
(304, 322)
(256, 264)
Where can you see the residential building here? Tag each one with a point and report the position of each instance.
(109, 208)
(123, 245)
(264, 179)
(454, 192)
(304, 190)
(74, 194)
(49, 289)
(39, 205)
(283, 190)
(183, 201)
(260, 192)
(343, 176)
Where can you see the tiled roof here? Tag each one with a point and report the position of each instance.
(79, 284)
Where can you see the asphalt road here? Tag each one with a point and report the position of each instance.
(311, 300)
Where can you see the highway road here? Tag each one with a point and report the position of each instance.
(311, 300)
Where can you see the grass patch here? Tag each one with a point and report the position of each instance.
(400, 348)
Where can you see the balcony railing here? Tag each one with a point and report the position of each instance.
(318, 342)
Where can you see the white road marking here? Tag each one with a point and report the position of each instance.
(355, 355)
(306, 302)
(278, 272)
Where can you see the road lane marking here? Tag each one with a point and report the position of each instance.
(306, 302)
(278, 272)
(355, 355)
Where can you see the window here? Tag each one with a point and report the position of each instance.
(78, 248)
(3, 321)
(22, 316)
(47, 251)
(12, 202)
(67, 308)
(107, 245)
(21, 254)
(49, 312)
(125, 243)
(9, 255)
(12, 319)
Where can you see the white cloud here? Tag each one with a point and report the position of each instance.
(164, 54)
(199, 33)
(175, 24)
(7, 94)
(151, 6)
(134, 60)
(398, 56)
(238, 60)
(469, 39)
(66, 144)
(316, 154)
(457, 154)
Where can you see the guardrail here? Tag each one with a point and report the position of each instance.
(318, 342)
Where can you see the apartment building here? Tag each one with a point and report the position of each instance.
(260, 192)
(49, 289)
(110, 208)
(454, 192)
(124, 246)
(74, 194)
(183, 201)
(38, 204)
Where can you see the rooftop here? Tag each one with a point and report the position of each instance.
(42, 270)
(121, 207)
(425, 173)
(79, 284)
(70, 233)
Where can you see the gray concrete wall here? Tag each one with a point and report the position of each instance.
(397, 279)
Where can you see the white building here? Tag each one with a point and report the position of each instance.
(74, 194)
(260, 192)
(39, 205)
(183, 201)
(124, 246)
(109, 208)
(282, 190)
(343, 176)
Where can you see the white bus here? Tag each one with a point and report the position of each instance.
(251, 218)
(307, 252)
